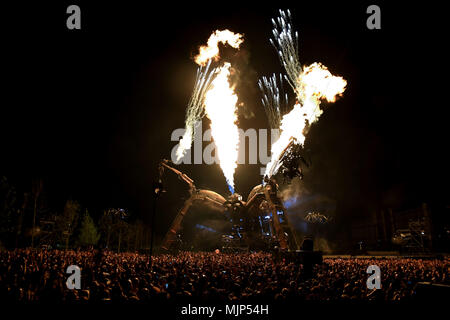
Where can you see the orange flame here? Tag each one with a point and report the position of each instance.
(211, 50)
(315, 83)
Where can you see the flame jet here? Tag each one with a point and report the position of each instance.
(214, 96)
(220, 105)
(310, 84)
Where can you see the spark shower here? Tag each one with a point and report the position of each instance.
(213, 95)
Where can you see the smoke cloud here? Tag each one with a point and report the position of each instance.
(299, 201)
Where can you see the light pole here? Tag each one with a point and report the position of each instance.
(157, 190)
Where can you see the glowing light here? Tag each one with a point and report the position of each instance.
(311, 84)
(200, 226)
(316, 83)
(211, 50)
(205, 75)
(275, 100)
(195, 108)
(220, 107)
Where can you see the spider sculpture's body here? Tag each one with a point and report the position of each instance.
(260, 221)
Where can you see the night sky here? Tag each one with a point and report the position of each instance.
(91, 111)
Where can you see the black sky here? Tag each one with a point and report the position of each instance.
(92, 110)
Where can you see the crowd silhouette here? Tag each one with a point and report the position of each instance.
(28, 275)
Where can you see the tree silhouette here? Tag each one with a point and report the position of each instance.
(67, 222)
(36, 190)
(88, 233)
(113, 223)
(7, 210)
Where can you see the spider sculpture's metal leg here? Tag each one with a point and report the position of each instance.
(201, 195)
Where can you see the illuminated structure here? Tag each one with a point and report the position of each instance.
(259, 222)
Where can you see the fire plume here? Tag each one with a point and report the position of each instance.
(211, 50)
(315, 83)
(220, 107)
